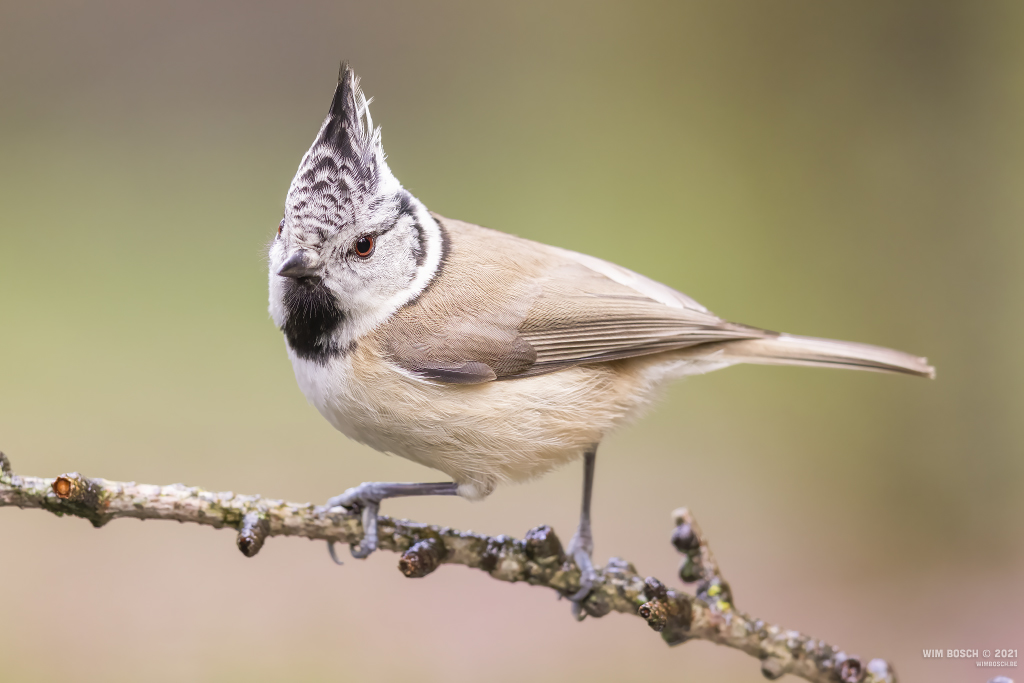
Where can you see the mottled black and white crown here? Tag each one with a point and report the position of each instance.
(343, 179)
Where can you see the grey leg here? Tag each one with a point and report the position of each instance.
(367, 497)
(581, 547)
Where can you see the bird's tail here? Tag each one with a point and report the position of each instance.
(788, 349)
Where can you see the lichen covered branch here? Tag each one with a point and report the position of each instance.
(537, 559)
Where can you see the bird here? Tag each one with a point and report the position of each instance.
(490, 358)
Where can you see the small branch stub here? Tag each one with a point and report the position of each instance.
(849, 669)
(684, 539)
(422, 558)
(655, 613)
(542, 544)
(79, 496)
(75, 488)
(666, 612)
(654, 589)
(252, 533)
(62, 487)
(698, 563)
(655, 610)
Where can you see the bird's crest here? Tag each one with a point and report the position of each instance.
(344, 168)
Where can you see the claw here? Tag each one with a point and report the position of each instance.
(581, 548)
(367, 497)
(369, 542)
(330, 551)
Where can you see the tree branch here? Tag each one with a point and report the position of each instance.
(538, 559)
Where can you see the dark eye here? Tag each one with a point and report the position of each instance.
(364, 246)
(280, 227)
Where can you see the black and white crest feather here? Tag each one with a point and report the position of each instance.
(344, 170)
(344, 192)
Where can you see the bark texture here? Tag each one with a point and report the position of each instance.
(538, 559)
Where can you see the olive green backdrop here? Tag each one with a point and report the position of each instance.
(851, 170)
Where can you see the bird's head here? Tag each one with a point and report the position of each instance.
(353, 245)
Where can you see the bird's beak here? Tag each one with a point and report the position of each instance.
(298, 265)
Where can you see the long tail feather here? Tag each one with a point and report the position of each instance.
(787, 349)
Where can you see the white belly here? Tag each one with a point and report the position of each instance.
(482, 434)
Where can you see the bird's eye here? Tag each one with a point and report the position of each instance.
(280, 227)
(364, 246)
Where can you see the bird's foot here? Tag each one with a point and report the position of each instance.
(581, 550)
(365, 497)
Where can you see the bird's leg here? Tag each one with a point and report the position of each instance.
(367, 497)
(581, 547)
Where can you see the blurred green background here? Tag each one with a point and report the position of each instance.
(851, 170)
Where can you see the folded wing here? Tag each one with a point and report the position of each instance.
(504, 308)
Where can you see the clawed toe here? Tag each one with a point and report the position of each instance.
(357, 497)
(367, 497)
(588, 579)
(363, 498)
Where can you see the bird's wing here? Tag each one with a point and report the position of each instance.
(504, 308)
(582, 315)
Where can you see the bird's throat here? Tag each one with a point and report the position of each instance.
(312, 322)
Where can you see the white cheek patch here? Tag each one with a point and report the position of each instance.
(431, 259)
(369, 306)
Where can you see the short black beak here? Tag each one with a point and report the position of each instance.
(298, 265)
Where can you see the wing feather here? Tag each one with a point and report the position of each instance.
(504, 308)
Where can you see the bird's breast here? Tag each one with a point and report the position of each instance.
(478, 434)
